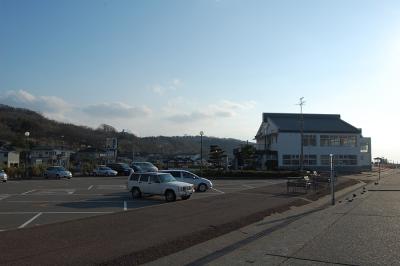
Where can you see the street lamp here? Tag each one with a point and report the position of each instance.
(27, 134)
(201, 151)
(378, 160)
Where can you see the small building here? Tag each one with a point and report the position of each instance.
(9, 158)
(49, 156)
(278, 140)
(94, 155)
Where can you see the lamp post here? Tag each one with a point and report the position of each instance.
(27, 134)
(201, 151)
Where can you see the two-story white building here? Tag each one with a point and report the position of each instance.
(279, 142)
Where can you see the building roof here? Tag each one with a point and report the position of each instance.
(313, 123)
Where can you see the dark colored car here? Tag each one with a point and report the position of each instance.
(143, 167)
(121, 168)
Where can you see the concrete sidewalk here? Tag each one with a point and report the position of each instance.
(363, 228)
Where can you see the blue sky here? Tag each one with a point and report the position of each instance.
(178, 67)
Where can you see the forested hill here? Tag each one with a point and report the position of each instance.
(14, 122)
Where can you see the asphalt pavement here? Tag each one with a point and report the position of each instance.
(29, 203)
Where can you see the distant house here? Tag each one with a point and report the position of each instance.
(278, 140)
(9, 158)
(94, 155)
(49, 156)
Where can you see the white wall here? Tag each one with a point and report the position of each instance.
(289, 143)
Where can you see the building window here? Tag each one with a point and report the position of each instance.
(294, 159)
(310, 140)
(291, 159)
(339, 159)
(364, 148)
(310, 159)
(340, 141)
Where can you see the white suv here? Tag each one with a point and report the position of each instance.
(3, 176)
(140, 184)
(200, 184)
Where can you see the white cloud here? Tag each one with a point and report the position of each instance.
(235, 105)
(51, 106)
(223, 109)
(116, 110)
(172, 85)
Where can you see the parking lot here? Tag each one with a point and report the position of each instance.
(27, 203)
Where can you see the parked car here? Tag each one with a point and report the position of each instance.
(121, 168)
(200, 184)
(57, 172)
(3, 176)
(140, 184)
(143, 167)
(103, 170)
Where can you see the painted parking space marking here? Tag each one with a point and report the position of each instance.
(111, 187)
(55, 191)
(4, 196)
(90, 187)
(218, 190)
(247, 186)
(27, 192)
(30, 220)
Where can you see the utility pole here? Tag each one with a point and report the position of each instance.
(301, 103)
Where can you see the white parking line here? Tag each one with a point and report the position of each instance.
(125, 206)
(89, 188)
(111, 187)
(4, 196)
(218, 190)
(30, 220)
(247, 186)
(27, 192)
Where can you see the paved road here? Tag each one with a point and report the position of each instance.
(363, 228)
(28, 203)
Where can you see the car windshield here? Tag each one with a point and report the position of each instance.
(59, 168)
(165, 178)
(144, 165)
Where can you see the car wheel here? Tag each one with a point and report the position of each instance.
(202, 187)
(185, 197)
(136, 194)
(170, 196)
(58, 176)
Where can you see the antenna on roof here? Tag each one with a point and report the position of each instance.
(301, 103)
